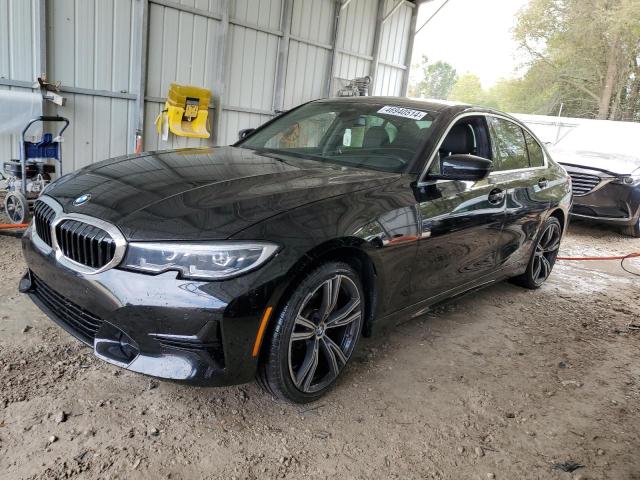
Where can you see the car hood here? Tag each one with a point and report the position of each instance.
(203, 193)
(614, 163)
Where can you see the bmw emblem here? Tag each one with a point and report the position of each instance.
(82, 199)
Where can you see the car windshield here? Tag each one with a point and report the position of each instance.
(356, 134)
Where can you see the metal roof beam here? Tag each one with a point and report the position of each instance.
(393, 10)
(344, 4)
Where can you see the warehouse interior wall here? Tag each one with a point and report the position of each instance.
(115, 60)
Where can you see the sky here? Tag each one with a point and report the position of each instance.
(474, 36)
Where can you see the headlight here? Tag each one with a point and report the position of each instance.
(628, 180)
(208, 261)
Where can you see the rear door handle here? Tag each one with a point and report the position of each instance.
(496, 196)
(543, 183)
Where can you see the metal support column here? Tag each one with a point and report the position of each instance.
(140, 70)
(40, 44)
(376, 45)
(283, 55)
(40, 29)
(338, 6)
(409, 53)
(219, 89)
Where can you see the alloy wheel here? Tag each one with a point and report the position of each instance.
(546, 253)
(324, 334)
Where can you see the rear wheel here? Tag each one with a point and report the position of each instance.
(314, 335)
(543, 257)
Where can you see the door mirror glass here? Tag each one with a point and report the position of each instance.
(245, 132)
(462, 167)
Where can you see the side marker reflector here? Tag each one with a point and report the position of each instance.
(263, 327)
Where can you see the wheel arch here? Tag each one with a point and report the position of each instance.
(561, 216)
(350, 251)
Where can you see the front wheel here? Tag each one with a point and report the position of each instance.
(314, 335)
(543, 257)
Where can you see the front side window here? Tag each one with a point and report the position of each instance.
(467, 136)
(508, 144)
(358, 134)
(536, 155)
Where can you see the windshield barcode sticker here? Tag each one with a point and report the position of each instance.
(402, 112)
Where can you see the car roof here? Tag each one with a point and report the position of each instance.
(450, 109)
(424, 104)
(430, 105)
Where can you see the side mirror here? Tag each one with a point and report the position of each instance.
(245, 132)
(463, 167)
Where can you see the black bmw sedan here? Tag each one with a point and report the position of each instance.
(271, 258)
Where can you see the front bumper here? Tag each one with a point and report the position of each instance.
(613, 203)
(181, 330)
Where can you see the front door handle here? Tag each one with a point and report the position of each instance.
(496, 196)
(543, 183)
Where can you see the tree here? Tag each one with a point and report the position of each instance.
(590, 50)
(535, 92)
(437, 80)
(468, 89)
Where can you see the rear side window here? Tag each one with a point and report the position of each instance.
(536, 155)
(508, 145)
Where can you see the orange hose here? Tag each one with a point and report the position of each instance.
(11, 226)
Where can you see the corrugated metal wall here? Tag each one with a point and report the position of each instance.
(394, 41)
(19, 60)
(95, 48)
(355, 38)
(309, 64)
(251, 66)
(90, 46)
(182, 47)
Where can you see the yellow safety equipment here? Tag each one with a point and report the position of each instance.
(185, 113)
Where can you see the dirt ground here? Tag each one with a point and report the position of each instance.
(503, 383)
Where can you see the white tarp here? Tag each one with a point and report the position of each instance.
(604, 144)
(16, 109)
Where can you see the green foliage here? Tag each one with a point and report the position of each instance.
(583, 54)
(590, 50)
(437, 80)
(468, 89)
(534, 93)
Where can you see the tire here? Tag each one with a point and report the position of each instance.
(543, 257)
(632, 230)
(16, 207)
(314, 335)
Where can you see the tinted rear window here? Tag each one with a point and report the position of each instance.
(536, 155)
